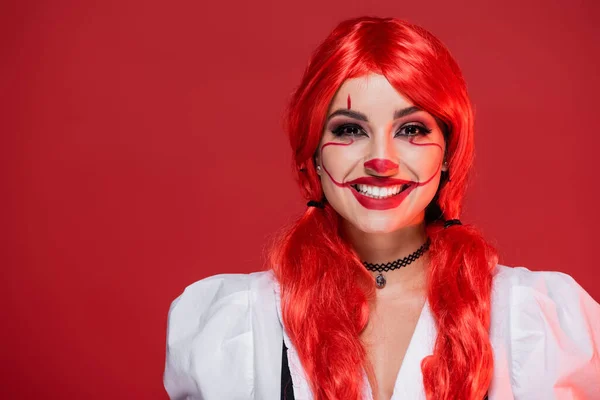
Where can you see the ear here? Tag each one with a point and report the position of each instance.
(445, 166)
(317, 162)
(445, 162)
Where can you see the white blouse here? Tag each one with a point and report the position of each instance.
(225, 332)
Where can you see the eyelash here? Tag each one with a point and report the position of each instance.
(339, 131)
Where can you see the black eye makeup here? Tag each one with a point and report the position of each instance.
(348, 130)
(413, 129)
(353, 130)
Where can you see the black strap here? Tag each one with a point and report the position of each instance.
(287, 390)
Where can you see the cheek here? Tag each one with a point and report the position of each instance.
(422, 164)
(422, 160)
(338, 160)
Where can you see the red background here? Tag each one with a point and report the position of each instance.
(142, 150)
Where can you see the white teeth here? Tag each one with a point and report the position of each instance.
(379, 192)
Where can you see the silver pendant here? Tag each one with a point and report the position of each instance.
(380, 281)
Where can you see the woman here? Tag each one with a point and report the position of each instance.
(378, 291)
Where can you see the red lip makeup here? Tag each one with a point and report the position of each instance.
(393, 192)
(382, 204)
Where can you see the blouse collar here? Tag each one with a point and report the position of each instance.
(409, 382)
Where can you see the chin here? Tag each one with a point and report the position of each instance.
(381, 224)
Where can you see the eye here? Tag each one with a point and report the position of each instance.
(413, 130)
(351, 130)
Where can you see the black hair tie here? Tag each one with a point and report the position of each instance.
(451, 222)
(318, 204)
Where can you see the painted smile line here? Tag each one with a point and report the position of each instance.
(384, 192)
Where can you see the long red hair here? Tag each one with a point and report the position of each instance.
(324, 286)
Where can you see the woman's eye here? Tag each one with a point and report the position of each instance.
(413, 130)
(348, 130)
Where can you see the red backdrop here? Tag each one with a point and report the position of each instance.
(142, 150)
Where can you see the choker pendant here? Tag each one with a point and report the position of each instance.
(380, 280)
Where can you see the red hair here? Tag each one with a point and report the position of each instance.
(324, 286)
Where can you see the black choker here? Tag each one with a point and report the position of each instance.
(392, 265)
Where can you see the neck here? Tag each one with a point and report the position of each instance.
(378, 248)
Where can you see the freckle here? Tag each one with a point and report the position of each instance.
(349, 102)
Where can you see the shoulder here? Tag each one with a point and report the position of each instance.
(223, 290)
(543, 297)
(212, 299)
(211, 335)
(523, 277)
(545, 330)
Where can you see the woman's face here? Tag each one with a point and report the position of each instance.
(380, 157)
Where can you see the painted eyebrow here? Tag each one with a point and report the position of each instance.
(362, 117)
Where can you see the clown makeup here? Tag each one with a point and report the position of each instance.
(381, 158)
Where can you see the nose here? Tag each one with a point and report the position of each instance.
(381, 167)
(382, 154)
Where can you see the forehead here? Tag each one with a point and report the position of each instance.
(369, 92)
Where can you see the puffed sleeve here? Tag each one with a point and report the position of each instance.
(209, 341)
(552, 333)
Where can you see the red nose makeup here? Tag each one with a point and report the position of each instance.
(380, 165)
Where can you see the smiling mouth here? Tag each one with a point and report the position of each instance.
(380, 192)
